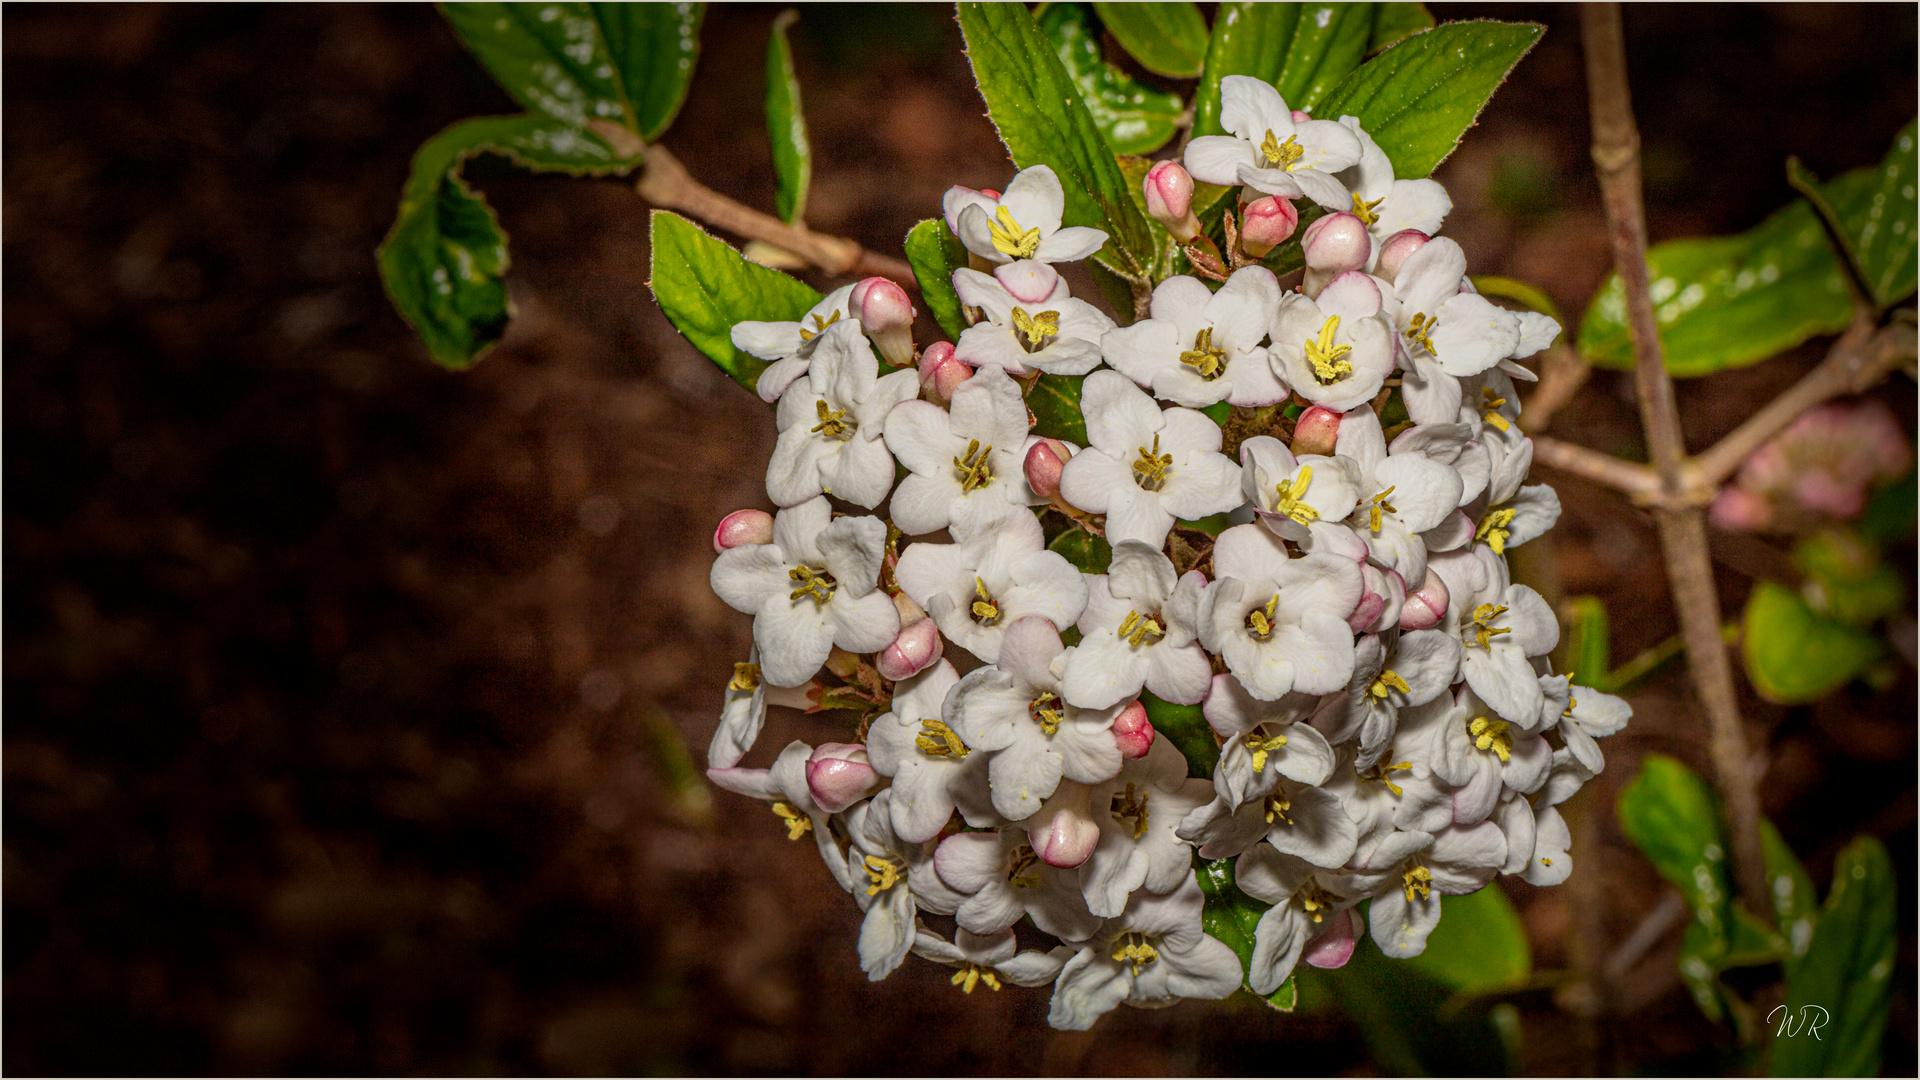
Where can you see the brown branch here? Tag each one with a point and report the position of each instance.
(1636, 480)
(1562, 374)
(1683, 530)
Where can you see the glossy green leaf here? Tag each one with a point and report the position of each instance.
(1168, 39)
(935, 253)
(551, 57)
(445, 259)
(1168, 260)
(786, 125)
(704, 287)
(1479, 945)
(1088, 553)
(1670, 814)
(1843, 985)
(1134, 119)
(1846, 579)
(1396, 21)
(1416, 1025)
(1187, 729)
(1042, 121)
(1889, 516)
(1700, 952)
(1795, 905)
(654, 47)
(1794, 655)
(1588, 643)
(1419, 97)
(1054, 401)
(1304, 50)
(1876, 206)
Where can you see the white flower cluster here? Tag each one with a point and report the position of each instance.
(1388, 728)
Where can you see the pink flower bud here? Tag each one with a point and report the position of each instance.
(1265, 224)
(1334, 947)
(1301, 116)
(1030, 282)
(1740, 510)
(743, 527)
(1336, 243)
(1425, 606)
(1169, 190)
(1315, 431)
(838, 776)
(1394, 252)
(914, 651)
(941, 372)
(1382, 596)
(886, 315)
(1063, 832)
(1132, 731)
(1044, 462)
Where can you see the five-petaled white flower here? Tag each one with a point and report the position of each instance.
(989, 958)
(1405, 495)
(831, 424)
(1270, 151)
(966, 465)
(1280, 624)
(1043, 330)
(1003, 880)
(1139, 629)
(1023, 223)
(1150, 954)
(789, 345)
(1467, 745)
(1146, 466)
(1434, 319)
(1335, 350)
(1509, 514)
(1305, 920)
(1408, 873)
(893, 879)
(933, 769)
(1139, 813)
(978, 587)
(1289, 494)
(1202, 347)
(1391, 671)
(1500, 626)
(785, 787)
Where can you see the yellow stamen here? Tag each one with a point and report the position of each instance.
(1037, 328)
(1483, 632)
(1382, 774)
(798, 824)
(1381, 507)
(1206, 361)
(833, 425)
(1025, 870)
(1260, 619)
(975, 469)
(1009, 238)
(815, 583)
(1492, 735)
(1290, 500)
(939, 740)
(1045, 712)
(1493, 529)
(1134, 947)
(745, 677)
(1363, 209)
(1136, 628)
(1277, 806)
(1315, 901)
(1261, 746)
(1150, 472)
(1282, 155)
(1325, 356)
(1572, 704)
(1490, 402)
(971, 975)
(818, 325)
(1419, 879)
(1131, 809)
(1389, 679)
(985, 612)
(885, 874)
(1420, 331)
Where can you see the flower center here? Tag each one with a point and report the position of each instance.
(1131, 810)
(985, 611)
(1490, 403)
(1024, 871)
(1494, 735)
(1383, 774)
(1482, 630)
(818, 326)
(1493, 529)
(938, 740)
(815, 583)
(1380, 508)
(1388, 679)
(1262, 745)
(833, 425)
(745, 677)
(1417, 879)
(798, 824)
(1282, 155)
(1363, 209)
(1315, 901)
(1260, 619)
(1045, 711)
(1036, 328)
(1009, 238)
(1137, 628)
(1419, 331)
(1133, 946)
(975, 470)
(1277, 806)
(1290, 500)
(1206, 361)
(1325, 356)
(971, 975)
(1150, 471)
(884, 873)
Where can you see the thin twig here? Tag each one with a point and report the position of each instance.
(1683, 531)
(1562, 374)
(1636, 480)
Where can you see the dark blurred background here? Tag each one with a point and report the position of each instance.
(353, 707)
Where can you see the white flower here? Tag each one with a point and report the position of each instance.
(831, 422)
(1138, 813)
(1152, 953)
(1404, 494)
(892, 880)
(1591, 714)
(742, 715)
(1409, 872)
(1403, 795)
(989, 958)
(1271, 152)
(1023, 223)
(789, 345)
(1003, 880)
(1303, 910)
(1463, 331)
(1139, 629)
(1391, 671)
(1055, 333)
(1015, 715)
(977, 588)
(1307, 822)
(1263, 740)
(809, 590)
(1385, 205)
(1499, 627)
(1335, 350)
(966, 465)
(932, 768)
(1202, 347)
(1146, 467)
(1512, 514)
(1290, 493)
(1280, 624)
(785, 786)
(1470, 747)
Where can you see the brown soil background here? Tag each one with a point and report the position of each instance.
(330, 677)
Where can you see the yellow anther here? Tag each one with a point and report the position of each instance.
(1482, 629)
(818, 326)
(1325, 356)
(939, 740)
(815, 583)
(884, 873)
(1314, 901)
(1037, 328)
(1045, 711)
(1282, 155)
(1544, 861)
(985, 612)
(798, 824)
(1389, 679)
(1136, 628)
(1291, 499)
(1363, 209)
(1024, 872)
(1383, 774)
(1262, 745)
(1490, 403)
(1277, 806)
(1150, 471)
(1009, 238)
(834, 425)
(1494, 529)
(1260, 619)
(971, 975)
(1134, 947)
(975, 469)
(1379, 508)
(1418, 879)
(1131, 809)
(1207, 361)
(1572, 704)
(1492, 735)
(745, 677)
(1420, 331)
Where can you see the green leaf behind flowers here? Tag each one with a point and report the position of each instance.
(1054, 401)
(1303, 50)
(1088, 553)
(786, 125)
(1187, 729)
(1231, 917)
(704, 287)
(1847, 971)
(1397, 21)
(1875, 205)
(1135, 119)
(935, 253)
(1794, 654)
(654, 47)
(1168, 39)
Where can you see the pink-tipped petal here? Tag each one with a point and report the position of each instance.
(1394, 252)
(838, 776)
(1333, 948)
(886, 315)
(1169, 191)
(743, 527)
(941, 372)
(1425, 606)
(1132, 732)
(916, 649)
(1044, 464)
(1028, 281)
(1063, 832)
(1373, 600)
(1266, 223)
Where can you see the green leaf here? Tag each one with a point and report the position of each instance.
(1417, 98)
(445, 259)
(551, 57)
(1088, 553)
(1588, 643)
(1187, 729)
(1304, 50)
(654, 47)
(1041, 119)
(1795, 905)
(705, 286)
(786, 126)
(935, 253)
(1794, 655)
(1479, 945)
(1134, 119)
(1875, 205)
(1846, 974)
(1527, 296)
(1054, 401)
(1727, 302)
(1396, 21)
(1670, 815)
(1167, 39)
(1846, 578)
(1889, 516)
(1413, 1023)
